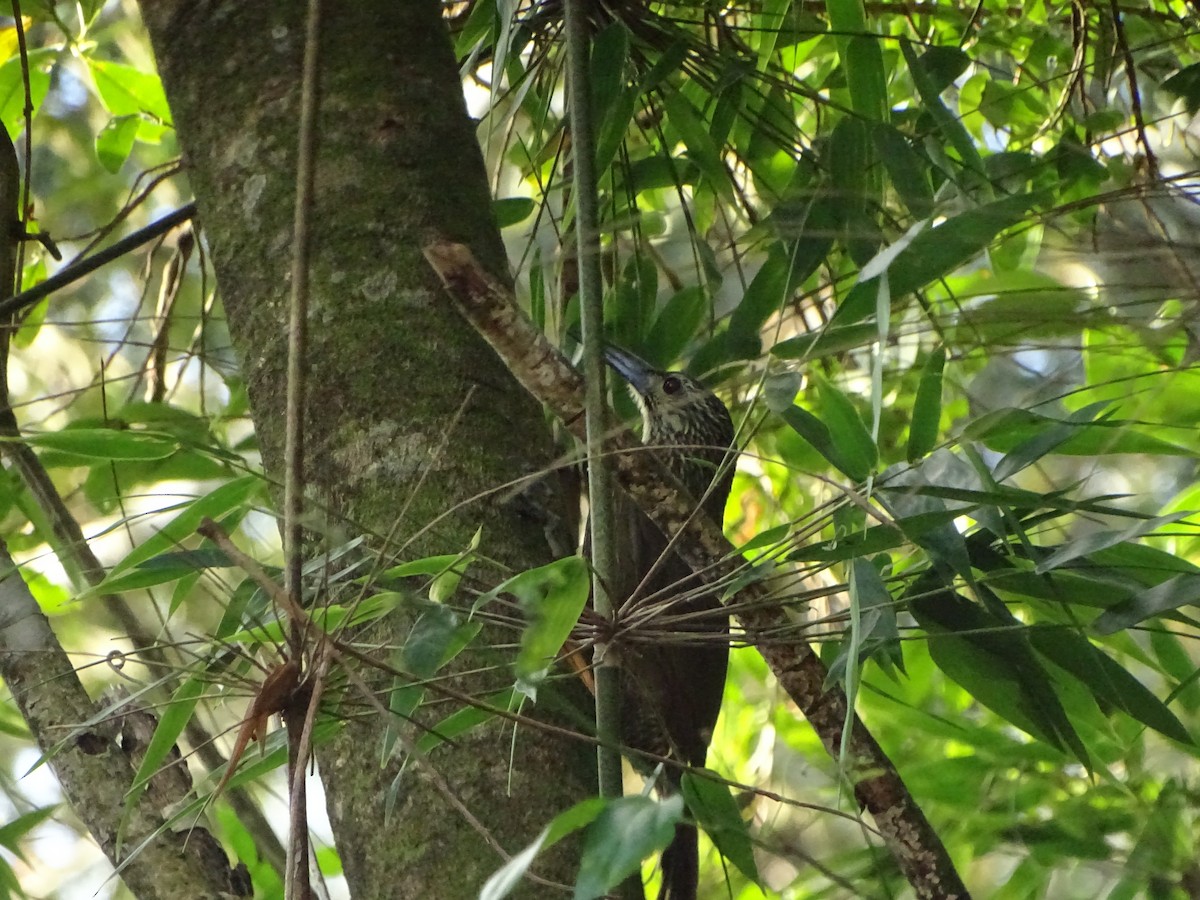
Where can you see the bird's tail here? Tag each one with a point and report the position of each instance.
(681, 865)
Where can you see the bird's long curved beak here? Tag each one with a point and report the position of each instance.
(632, 368)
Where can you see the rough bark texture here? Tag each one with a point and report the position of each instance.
(390, 364)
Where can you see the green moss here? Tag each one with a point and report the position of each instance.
(408, 409)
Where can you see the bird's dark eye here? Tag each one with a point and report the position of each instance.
(671, 385)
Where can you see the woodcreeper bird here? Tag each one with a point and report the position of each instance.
(673, 631)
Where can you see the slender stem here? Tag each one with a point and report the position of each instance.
(77, 270)
(591, 304)
(297, 883)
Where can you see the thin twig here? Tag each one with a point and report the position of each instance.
(1135, 96)
(27, 154)
(74, 272)
(297, 882)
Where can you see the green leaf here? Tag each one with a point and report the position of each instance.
(829, 341)
(272, 755)
(936, 252)
(1174, 660)
(814, 431)
(428, 565)
(1185, 84)
(14, 832)
(695, 135)
(610, 52)
(436, 637)
(927, 407)
(552, 597)
(192, 560)
(807, 230)
(335, 616)
(161, 569)
(1005, 430)
(627, 831)
(715, 809)
(1016, 498)
(508, 876)
(844, 441)
(1182, 590)
(1011, 307)
(445, 583)
(1167, 829)
(477, 30)
(847, 430)
(632, 303)
(128, 91)
(115, 141)
(677, 324)
(927, 81)
(1075, 163)
(770, 538)
(1001, 103)
(1099, 540)
(12, 86)
(240, 492)
(849, 449)
(993, 661)
(105, 443)
(908, 169)
(136, 580)
(32, 321)
(876, 539)
(854, 177)
(174, 718)
(511, 210)
(767, 293)
(878, 634)
(269, 633)
(614, 102)
(861, 56)
(1109, 682)
(1031, 451)
(942, 65)
(463, 720)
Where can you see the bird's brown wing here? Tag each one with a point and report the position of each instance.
(674, 662)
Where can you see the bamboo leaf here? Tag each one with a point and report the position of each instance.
(626, 832)
(847, 430)
(927, 407)
(175, 716)
(1182, 590)
(105, 443)
(507, 877)
(927, 78)
(1100, 540)
(717, 812)
(552, 597)
(936, 252)
(861, 58)
(993, 660)
(696, 138)
(1110, 683)
(239, 492)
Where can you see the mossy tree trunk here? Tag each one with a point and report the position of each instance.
(391, 365)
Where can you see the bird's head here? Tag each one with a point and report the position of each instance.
(680, 415)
